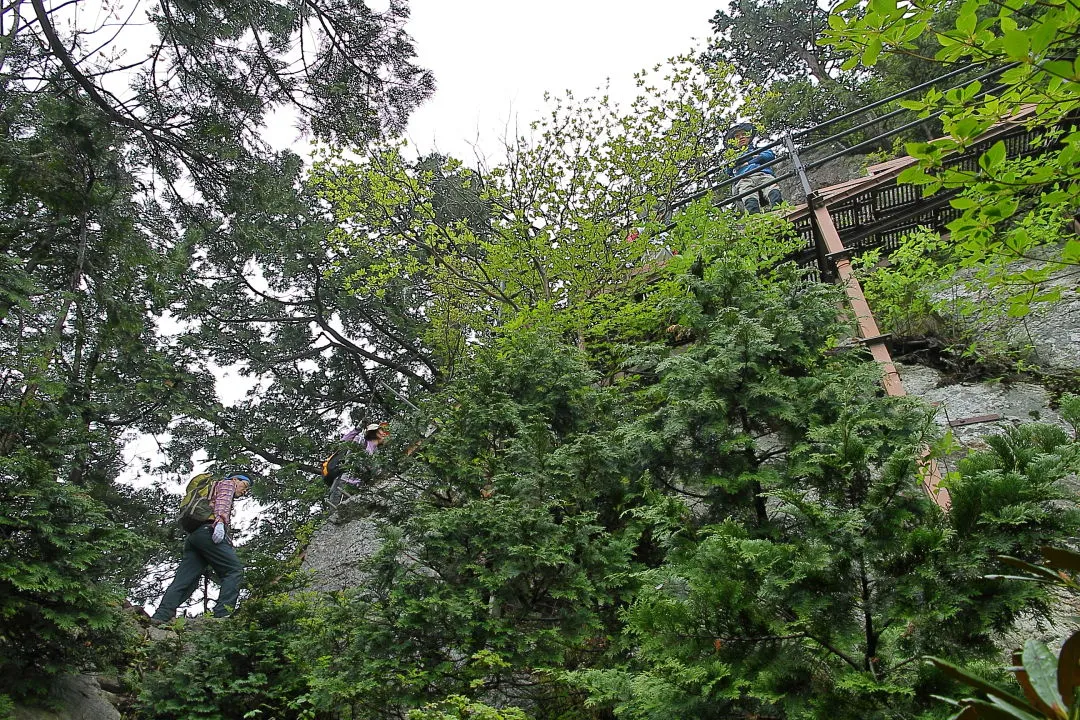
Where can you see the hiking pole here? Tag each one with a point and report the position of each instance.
(399, 396)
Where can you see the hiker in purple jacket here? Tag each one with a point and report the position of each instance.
(338, 475)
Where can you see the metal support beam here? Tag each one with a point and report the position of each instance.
(796, 162)
(832, 247)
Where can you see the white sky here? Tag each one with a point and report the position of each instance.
(494, 59)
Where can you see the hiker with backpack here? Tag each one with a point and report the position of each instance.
(206, 516)
(334, 468)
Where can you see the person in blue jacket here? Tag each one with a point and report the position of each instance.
(748, 171)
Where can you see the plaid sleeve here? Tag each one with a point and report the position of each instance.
(222, 500)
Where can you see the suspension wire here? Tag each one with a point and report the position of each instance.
(854, 129)
(874, 140)
(902, 128)
(845, 151)
(861, 126)
(896, 96)
(898, 111)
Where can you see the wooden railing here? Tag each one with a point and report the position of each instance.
(875, 211)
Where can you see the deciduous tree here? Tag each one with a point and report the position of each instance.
(1011, 209)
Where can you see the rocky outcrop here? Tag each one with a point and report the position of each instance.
(77, 697)
(1049, 335)
(335, 556)
(974, 410)
(833, 172)
(1054, 333)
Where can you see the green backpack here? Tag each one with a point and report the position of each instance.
(196, 508)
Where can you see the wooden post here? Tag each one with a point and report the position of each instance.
(870, 334)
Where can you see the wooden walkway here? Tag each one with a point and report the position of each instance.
(874, 211)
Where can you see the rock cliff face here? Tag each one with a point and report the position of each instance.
(833, 172)
(975, 410)
(336, 550)
(1055, 333)
(1052, 333)
(353, 533)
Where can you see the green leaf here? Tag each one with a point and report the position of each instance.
(1037, 570)
(885, 8)
(1025, 713)
(915, 175)
(1004, 208)
(1043, 32)
(977, 682)
(1059, 68)
(993, 157)
(1071, 252)
(1055, 197)
(966, 21)
(921, 151)
(872, 50)
(1015, 44)
(1040, 667)
(913, 31)
(966, 128)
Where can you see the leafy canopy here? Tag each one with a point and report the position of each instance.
(1013, 221)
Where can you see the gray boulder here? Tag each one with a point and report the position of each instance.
(76, 697)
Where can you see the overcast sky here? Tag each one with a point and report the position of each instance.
(493, 59)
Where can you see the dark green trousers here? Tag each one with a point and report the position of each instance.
(200, 551)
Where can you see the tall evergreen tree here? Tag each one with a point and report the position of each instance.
(84, 272)
(210, 77)
(110, 167)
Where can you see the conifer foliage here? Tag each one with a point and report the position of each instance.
(733, 528)
(60, 589)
